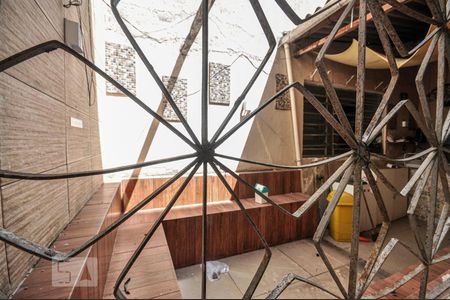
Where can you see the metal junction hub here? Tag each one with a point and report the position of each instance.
(206, 153)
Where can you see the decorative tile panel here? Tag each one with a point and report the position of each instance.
(121, 66)
(179, 95)
(219, 84)
(283, 102)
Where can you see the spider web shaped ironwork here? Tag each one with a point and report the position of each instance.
(358, 159)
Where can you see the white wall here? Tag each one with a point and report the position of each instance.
(235, 38)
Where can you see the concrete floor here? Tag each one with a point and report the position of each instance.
(300, 258)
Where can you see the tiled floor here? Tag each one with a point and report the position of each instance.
(298, 257)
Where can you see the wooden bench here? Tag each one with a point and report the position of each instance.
(178, 242)
(99, 212)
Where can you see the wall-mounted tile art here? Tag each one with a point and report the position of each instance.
(120, 63)
(179, 95)
(219, 84)
(283, 102)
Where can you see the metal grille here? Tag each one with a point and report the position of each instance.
(358, 159)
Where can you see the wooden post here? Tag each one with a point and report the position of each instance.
(298, 142)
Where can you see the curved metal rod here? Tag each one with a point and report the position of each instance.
(289, 12)
(393, 69)
(383, 122)
(420, 86)
(54, 45)
(272, 44)
(288, 279)
(346, 136)
(251, 115)
(383, 179)
(323, 224)
(57, 256)
(152, 71)
(268, 253)
(302, 167)
(117, 292)
(407, 159)
(34, 176)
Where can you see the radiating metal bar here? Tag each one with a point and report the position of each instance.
(268, 253)
(346, 135)
(301, 167)
(440, 87)
(377, 194)
(424, 41)
(239, 179)
(417, 236)
(117, 292)
(436, 10)
(288, 279)
(361, 70)
(428, 160)
(442, 229)
(367, 278)
(323, 224)
(384, 121)
(289, 12)
(407, 159)
(272, 44)
(354, 250)
(420, 84)
(152, 71)
(440, 289)
(34, 176)
(427, 131)
(321, 68)
(404, 9)
(54, 45)
(204, 228)
(251, 115)
(383, 179)
(397, 284)
(49, 254)
(205, 77)
(419, 189)
(376, 11)
(323, 188)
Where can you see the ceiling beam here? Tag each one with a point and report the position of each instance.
(344, 30)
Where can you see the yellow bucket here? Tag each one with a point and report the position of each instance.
(341, 219)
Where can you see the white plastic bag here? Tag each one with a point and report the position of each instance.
(215, 268)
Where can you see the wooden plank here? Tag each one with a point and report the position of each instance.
(153, 274)
(32, 128)
(343, 30)
(102, 209)
(228, 231)
(80, 189)
(24, 19)
(37, 211)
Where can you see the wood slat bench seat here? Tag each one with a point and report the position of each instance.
(177, 242)
(99, 212)
(153, 275)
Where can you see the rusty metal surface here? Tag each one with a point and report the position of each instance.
(359, 159)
